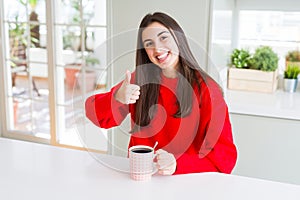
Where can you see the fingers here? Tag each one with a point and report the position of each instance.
(160, 151)
(128, 93)
(166, 162)
(133, 88)
(127, 77)
(166, 171)
(132, 93)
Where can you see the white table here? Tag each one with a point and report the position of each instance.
(36, 171)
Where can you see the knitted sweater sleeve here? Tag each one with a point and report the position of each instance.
(104, 110)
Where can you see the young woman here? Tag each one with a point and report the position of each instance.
(172, 101)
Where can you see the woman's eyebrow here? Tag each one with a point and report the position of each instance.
(157, 35)
(162, 33)
(146, 40)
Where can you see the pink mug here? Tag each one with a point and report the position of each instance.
(142, 166)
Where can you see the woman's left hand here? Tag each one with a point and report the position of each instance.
(166, 162)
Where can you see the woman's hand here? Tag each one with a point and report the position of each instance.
(166, 162)
(128, 93)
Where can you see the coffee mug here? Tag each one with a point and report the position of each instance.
(142, 166)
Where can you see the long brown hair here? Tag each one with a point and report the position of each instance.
(148, 74)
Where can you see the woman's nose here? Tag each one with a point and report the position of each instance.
(158, 48)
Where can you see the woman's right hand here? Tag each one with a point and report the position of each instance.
(166, 162)
(128, 93)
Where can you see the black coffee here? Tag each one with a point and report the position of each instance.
(141, 150)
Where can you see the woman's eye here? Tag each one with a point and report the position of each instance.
(162, 38)
(148, 44)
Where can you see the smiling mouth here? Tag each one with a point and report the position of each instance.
(161, 58)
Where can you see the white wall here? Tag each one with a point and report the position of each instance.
(192, 15)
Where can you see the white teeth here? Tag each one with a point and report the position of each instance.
(162, 56)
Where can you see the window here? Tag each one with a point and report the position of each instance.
(221, 36)
(250, 24)
(28, 106)
(277, 29)
(221, 44)
(54, 57)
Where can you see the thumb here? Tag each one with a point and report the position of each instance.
(127, 77)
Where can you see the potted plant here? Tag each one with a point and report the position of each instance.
(71, 69)
(90, 75)
(72, 39)
(72, 35)
(257, 72)
(240, 58)
(264, 59)
(290, 80)
(34, 29)
(18, 43)
(293, 57)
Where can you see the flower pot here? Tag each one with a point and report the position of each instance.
(16, 106)
(90, 80)
(71, 77)
(290, 85)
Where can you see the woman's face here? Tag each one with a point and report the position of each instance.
(160, 46)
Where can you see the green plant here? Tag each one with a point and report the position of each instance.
(293, 56)
(91, 61)
(18, 42)
(80, 14)
(240, 58)
(264, 59)
(292, 71)
(18, 37)
(33, 3)
(34, 28)
(89, 58)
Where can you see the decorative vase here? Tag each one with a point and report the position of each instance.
(290, 85)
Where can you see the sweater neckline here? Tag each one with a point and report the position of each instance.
(169, 82)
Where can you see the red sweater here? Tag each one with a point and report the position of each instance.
(200, 142)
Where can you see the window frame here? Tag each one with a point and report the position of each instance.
(52, 83)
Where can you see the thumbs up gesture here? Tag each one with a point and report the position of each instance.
(128, 93)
